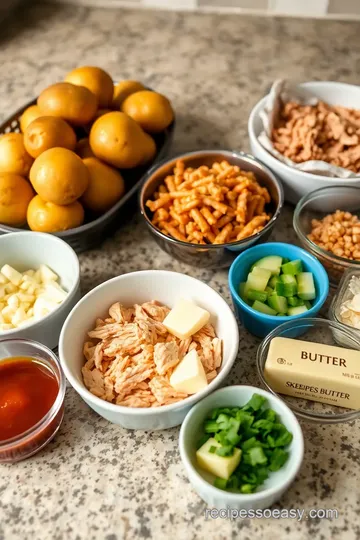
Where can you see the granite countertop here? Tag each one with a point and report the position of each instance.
(97, 481)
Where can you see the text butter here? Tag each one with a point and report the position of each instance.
(314, 371)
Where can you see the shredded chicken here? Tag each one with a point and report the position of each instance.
(131, 355)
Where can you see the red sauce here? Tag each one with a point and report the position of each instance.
(28, 390)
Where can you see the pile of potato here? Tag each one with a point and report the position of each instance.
(73, 141)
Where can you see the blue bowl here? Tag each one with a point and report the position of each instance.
(258, 323)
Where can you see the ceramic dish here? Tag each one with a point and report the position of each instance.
(297, 183)
(139, 287)
(210, 255)
(258, 323)
(35, 438)
(92, 233)
(316, 205)
(274, 486)
(317, 331)
(25, 250)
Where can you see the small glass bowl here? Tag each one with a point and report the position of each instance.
(317, 205)
(35, 438)
(320, 331)
(343, 294)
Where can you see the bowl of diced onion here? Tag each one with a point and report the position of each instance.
(39, 285)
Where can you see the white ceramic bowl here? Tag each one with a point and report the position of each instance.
(297, 183)
(277, 483)
(139, 287)
(25, 250)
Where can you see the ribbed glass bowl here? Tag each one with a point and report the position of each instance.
(317, 205)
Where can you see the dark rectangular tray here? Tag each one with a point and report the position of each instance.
(92, 233)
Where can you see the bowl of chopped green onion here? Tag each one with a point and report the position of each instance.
(242, 447)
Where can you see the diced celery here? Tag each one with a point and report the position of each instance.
(257, 279)
(271, 262)
(306, 286)
(273, 281)
(292, 268)
(297, 310)
(278, 303)
(263, 308)
(252, 294)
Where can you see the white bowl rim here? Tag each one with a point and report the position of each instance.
(147, 411)
(274, 162)
(70, 293)
(258, 495)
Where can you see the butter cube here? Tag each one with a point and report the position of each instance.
(189, 375)
(11, 274)
(221, 466)
(185, 319)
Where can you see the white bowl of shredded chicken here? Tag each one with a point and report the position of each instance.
(118, 355)
(305, 145)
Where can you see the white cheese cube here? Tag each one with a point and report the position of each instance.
(2, 292)
(26, 297)
(47, 274)
(3, 279)
(10, 288)
(30, 313)
(8, 313)
(42, 307)
(221, 466)
(13, 275)
(189, 375)
(24, 285)
(185, 319)
(19, 316)
(13, 301)
(37, 276)
(53, 292)
(29, 272)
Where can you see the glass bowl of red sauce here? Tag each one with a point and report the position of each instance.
(32, 391)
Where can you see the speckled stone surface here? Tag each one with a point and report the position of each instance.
(97, 481)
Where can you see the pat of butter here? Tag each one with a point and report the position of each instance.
(185, 319)
(314, 371)
(189, 375)
(222, 466)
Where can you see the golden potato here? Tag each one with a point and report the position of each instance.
(44, 216)
(118, 140)
(29, 115)
(59, 176)
(48, 132)
(73, 103)
(96, 80)
(106, 186)
(13, 155)
(151, 110)
(149, 149)
(124, 89)
(15, 195)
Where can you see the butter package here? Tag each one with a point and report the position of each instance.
(314, 371)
